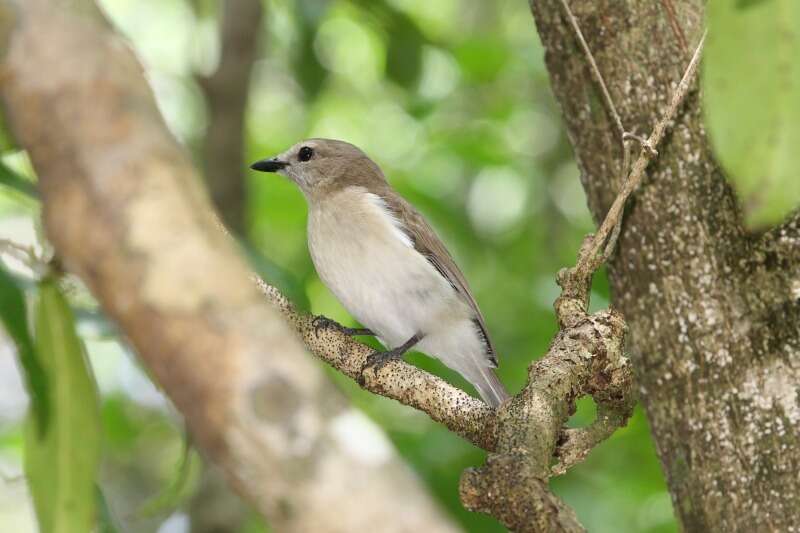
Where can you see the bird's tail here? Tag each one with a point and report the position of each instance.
(488, 385)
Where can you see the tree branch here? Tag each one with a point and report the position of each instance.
(401, 381)
(127, 213)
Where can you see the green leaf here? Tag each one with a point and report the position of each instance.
(105, 520)
(482, 58)
(14, 317)
(61, 464)
(751, 81)
(179, 488)
(19, 183)
(405, 41)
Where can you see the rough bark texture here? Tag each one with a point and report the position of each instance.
(226, 94)
(126, 212)
(714, 313)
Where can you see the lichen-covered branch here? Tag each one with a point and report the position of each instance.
(586, 358)
(127, 213)
(460, 412)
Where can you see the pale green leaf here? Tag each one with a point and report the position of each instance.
(13, 180)
(105, 520)
(751, 83)
(14, 318)
(62, 463)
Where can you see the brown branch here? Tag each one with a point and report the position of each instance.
(125, 210)
(460, 412)
(594, 69)
(226, 93)
(713, 346)
(674, 24)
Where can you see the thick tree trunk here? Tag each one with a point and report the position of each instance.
(714, 313)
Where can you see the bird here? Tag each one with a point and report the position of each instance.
(382, 260)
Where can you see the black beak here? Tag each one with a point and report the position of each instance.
(269, 165)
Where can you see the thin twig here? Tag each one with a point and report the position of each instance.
(624, 136)
(595, 70)
(589, 262)
(673, 22)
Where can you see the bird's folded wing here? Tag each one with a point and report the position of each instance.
(427, 243)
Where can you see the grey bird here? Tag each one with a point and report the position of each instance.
(385, 264)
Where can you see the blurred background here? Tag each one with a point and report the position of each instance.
(453, 101)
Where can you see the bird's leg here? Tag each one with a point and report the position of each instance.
(378, 359)
(323, 322)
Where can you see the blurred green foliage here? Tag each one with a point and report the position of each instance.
(752, 94)
(452, 100)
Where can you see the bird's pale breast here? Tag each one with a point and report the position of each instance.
(365, 259)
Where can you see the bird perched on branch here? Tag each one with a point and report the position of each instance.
(385, 264)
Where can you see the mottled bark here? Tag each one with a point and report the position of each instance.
(714, 313)
(126, 212)
(226, 92)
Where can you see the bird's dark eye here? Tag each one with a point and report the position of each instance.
(305, 153)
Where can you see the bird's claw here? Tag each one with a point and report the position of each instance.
(378, 360)
(323, 322)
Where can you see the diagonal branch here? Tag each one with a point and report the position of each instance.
(520, 467)
(401, 381)
(125, 210)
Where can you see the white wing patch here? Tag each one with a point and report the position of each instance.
(396, 226)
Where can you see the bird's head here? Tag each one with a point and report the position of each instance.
(320, 165)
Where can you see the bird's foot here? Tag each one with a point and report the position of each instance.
(322, 322)
(378, 360)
